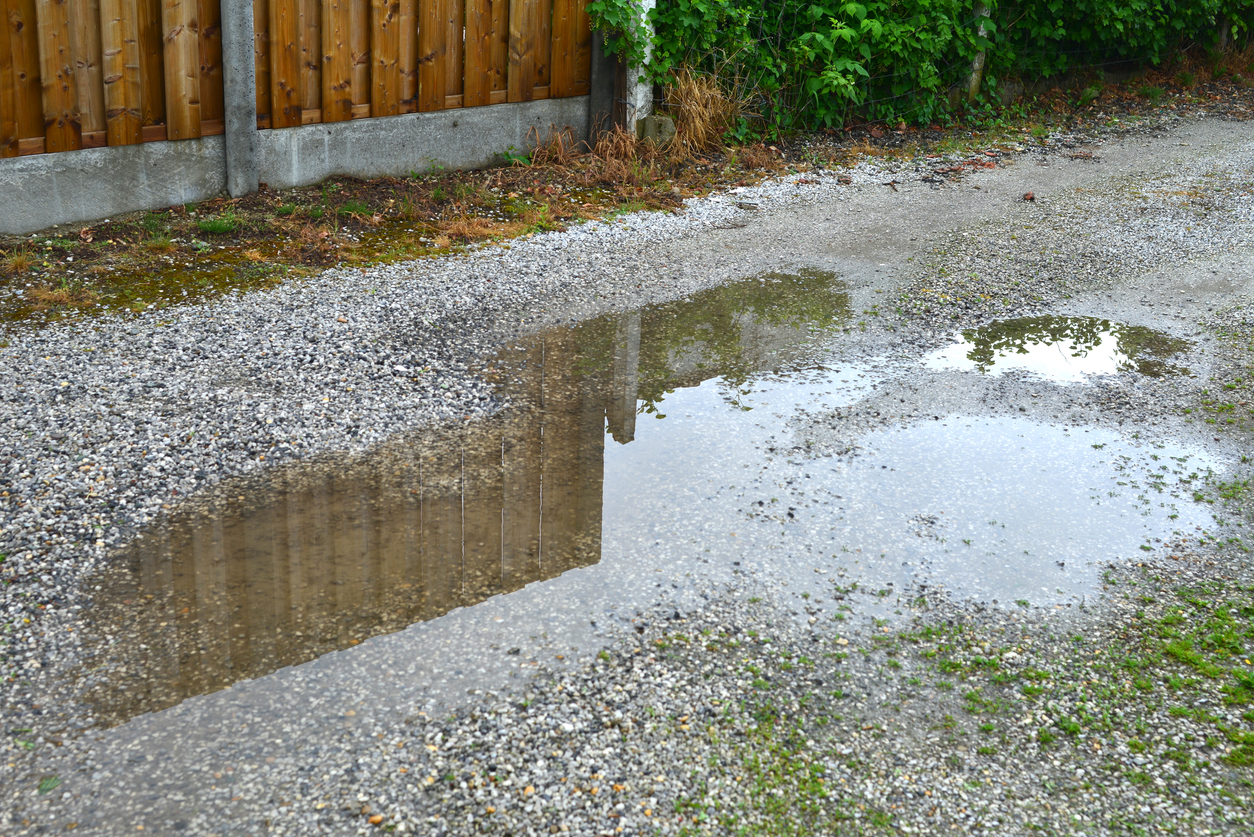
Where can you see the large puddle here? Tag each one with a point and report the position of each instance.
(645, 455)
(1060, 349)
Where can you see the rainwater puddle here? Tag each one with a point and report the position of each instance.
(647, 460)
(1061, 349)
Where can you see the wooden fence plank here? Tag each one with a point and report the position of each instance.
(181, 30)
(454, 65)
(56, 72)
(211, 90)
(409, 55)
(310, 54)
(571, 50)
(359, 50)
(261, 57)
(337, 61)
(522, 49)
(432, 32)
(8, 94)
(543, 22)
(23, 35)
(151, 61)
(385, 52)
(285, 109)
(119, 41)
(487, 50)
(88, 76)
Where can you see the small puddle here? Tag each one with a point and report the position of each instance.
(647, 458)
(1061, 349)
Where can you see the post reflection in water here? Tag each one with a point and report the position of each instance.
(276, 569)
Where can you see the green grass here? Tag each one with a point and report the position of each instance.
(227, 222)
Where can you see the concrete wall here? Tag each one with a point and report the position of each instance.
(462, 138)
(43, 190)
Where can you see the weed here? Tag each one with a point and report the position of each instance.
(227, 222)
(159, 243)
(19, 261)
(286, 209)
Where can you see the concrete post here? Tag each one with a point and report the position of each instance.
(640, 93)
(976, 79)
(239, 76)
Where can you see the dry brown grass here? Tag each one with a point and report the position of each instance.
(559, 150)
(471, 228)
(68, 294)
(19, 261)
(703, 111)
(254, 255)
(160, 244)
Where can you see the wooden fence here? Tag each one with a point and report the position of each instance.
(89, 73)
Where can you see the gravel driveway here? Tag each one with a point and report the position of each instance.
(730, 660)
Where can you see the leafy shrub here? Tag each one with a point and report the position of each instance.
(817, 63)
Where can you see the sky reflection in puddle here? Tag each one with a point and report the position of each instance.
(1060, 349)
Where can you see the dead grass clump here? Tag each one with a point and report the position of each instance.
(617, 144)
(703, 111)
(67, 294)
(559, 150)
(471, 228)
(759, 156)
(19, 261)
(159, 244)
(254, 255)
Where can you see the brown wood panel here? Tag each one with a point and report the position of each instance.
(88, 78)
(56, 71)
(487, 49)
(571, 49)
(310, 54)
(432, 55)
(454, 46)
(523, 28)
(261, 56)
(409, 55)
(337, 61)
(23, 37)
(543, 21)
(211, 90)
(8, 106)
(359, 50)
(179, 22)
(285, 109)
(151, 61)
(385, 54)
(123, 91)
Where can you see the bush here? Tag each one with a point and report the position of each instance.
(812, 64)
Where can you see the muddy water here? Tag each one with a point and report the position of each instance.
(279, 569)
(645, 458)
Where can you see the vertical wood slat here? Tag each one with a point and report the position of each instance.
(523, 28)
(409, 55)
(285, 109)
(211, 91)
(432, 54)
(571, 49)
(543, 21)
(261, 55)
(336, 60)
(359, 50)
(88, 78)
(62, 131)
(22, 34)
(310, 54)
(120, 65)
(454, 69)
(487, 50)
(385, 50)
(181, 29)
(8, 93)
(337, 63)
(151, 61)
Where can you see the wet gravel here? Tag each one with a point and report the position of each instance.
(110, 421)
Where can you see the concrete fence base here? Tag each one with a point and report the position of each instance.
(45, 190)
